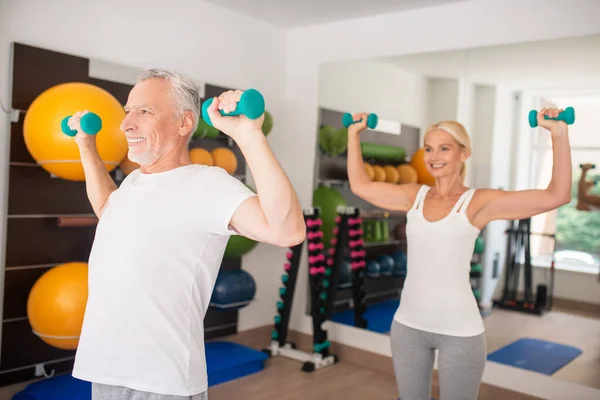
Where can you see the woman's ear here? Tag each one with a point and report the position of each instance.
(465, 154)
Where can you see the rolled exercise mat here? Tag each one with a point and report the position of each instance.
(392, 154)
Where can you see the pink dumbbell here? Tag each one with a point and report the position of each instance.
(288, 255)
(355, 221)
(356, 254)
(333, 241)
(315, 259)
(313, 222)
(315, 246)
(358, 264)
(355, 232)
(338, 219)
(356, 243)
(330, 261)
(314, 235)
(287, 266)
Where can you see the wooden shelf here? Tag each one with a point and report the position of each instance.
(76, 222)
(391, 242)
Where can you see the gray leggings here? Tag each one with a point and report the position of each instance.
(108, 392)
(461, 362)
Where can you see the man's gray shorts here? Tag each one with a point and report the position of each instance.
(108, 392)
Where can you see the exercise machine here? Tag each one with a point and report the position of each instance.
(518, 254)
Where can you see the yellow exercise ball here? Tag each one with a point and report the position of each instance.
(379, 173)
(202, 156)
(418, 163)
(58, 153)
(370, 171)
(407, 174)
(225, 158)
(391, 174)
(56, 304)
(127, 166)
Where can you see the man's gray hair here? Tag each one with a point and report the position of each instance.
(184, 91)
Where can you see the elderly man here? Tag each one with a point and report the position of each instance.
(161, 237)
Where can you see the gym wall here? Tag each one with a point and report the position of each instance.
(377, 87)
(35, 242)
(190, 42)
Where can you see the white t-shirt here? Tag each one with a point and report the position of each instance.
(152, 269)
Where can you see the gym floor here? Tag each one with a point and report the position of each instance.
(565, 325)
(282, 378)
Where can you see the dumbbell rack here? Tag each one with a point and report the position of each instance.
(348, 233)
(320, 357)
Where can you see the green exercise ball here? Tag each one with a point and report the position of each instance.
(205, 131)
(267, 123)
(333, 141)
(328, 200)
(479, 245)
(238, 246)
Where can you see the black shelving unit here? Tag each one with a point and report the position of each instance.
(331, 172)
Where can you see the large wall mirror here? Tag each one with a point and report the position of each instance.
(491, 91)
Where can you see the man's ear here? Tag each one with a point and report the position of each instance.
(186, 124)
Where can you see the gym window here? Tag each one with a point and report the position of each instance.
(577, 232)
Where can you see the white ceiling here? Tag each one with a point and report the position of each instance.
(297, 13)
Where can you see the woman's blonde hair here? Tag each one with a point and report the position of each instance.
(460, 135)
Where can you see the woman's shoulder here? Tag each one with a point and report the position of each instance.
(482, 197)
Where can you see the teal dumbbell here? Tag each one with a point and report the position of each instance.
(274, 335)
(277, 319)
(321, 346)
(90, 123)
(285, 278)
(282, 291)
(568, 116)
(372, 120)
(251, 104)
(593, 166)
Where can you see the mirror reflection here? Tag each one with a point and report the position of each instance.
(533, 280)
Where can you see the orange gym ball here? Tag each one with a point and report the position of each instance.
(418, 163)
(198, 155)
(58, 153)
(225, 158)
(127, 166)
(56, 304)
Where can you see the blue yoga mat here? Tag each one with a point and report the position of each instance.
(535, 355)
(378, 316)
(225, 361)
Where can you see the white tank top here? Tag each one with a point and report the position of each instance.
(437, 295)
